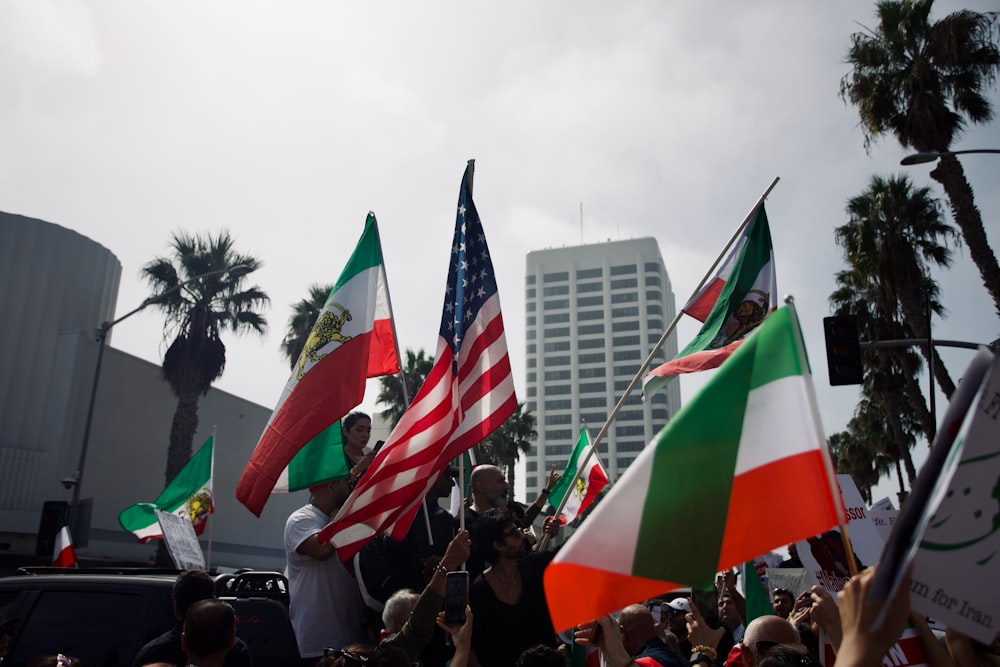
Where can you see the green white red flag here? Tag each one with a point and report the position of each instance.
(720, 474)
(188, 495)
(63, 555)
(731, 305)
(351, 341)
(592, 479)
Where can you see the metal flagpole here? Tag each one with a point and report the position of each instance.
(670, 328)
(211, 521)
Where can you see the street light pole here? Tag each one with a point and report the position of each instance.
(922, 158)
(102, 338)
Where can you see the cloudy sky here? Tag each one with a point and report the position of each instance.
(286, 122)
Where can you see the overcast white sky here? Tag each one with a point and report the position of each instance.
(286, 122)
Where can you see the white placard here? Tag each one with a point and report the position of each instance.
(182, 543)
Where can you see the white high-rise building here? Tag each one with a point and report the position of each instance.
(593, 314)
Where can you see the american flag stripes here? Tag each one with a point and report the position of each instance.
(468, 393)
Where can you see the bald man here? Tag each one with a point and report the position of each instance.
(764, 633)
(642, 642)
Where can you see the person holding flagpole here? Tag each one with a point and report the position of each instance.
(325, 605)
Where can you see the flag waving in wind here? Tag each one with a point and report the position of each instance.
(731, 305)
(351, 341)
(188, 495)
(468, 393)
(710, 476)
(589, 483)
(64, 555)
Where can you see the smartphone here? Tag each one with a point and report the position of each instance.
(456, 597)
(378, 446)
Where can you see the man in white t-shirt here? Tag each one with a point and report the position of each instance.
(325, 606)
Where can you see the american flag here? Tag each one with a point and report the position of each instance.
(468, 393)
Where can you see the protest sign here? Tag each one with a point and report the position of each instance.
(181, 540)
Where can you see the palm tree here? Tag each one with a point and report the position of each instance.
(390, 393)
(923, 82)
(894, 235)
(852, 456)
(302, 320)
(196, 315)
(504, 446)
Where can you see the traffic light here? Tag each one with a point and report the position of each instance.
(843, 350)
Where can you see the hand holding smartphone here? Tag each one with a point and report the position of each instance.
(456, 598)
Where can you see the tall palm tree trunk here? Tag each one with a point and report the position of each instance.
(951, 176)
(182, 432)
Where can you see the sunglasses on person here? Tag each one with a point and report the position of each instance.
(348, 655)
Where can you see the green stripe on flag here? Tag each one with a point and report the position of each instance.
(758, 599)
(755, 256)
(562, 486)
(695, 454)
(321, 460)
(366, 255)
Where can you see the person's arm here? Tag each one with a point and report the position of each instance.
(961, 648)
(863, 645)
(419, 627)
(937, 654)
(699, 634)
(608, 640)
(727, 583)
(461, 637)
(824, 614)
(532, 511)
(315, 549)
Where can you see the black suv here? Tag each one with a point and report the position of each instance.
(104, 618)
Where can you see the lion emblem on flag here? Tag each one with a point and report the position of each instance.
(198, 506)
(747, 315)
(328, 329)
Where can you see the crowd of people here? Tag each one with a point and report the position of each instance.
(385, 608)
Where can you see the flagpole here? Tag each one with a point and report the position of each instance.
(470, 172)
(211, 522)
(562, 503)
(669, 330)
(831, 476)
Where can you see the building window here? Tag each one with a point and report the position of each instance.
(583, 288)
(631, 446)
(556, 318)
(557, 390)
(624, 283)
(532, 362)
(653, 266)
(529, 293)
(654, 295)
(626, 340)
(531, 392)
(625, 355)
(653, 281)
(531, 481)
(630, 415)
(660, 398)
(555, 277)
(555, 450)
(556, 290)
(661, 415)
(623, 270)
(594, 417)
(654, 309)
(530, 348)
(556, 304)
(529, 307)
(592, 358)
(531, 377)
(531, 466)
(631, 325)
(554, 376)
(597, 372)
(582, 274)
(590, 315)
(590, 344)
(589, 387)
(559, 404)
(556, 332)
(625, 297)
(594, 402)
(531, 334)
(558, 434)
(556, 346)
(586, 329)
(625, 311)
(531, 279)
(653, 338)
(624, 462)
(558, 420)
(587, 301)
(562, 360)
(655, 324)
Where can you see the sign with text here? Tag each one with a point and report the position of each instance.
(181, 540)
(957, 562)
